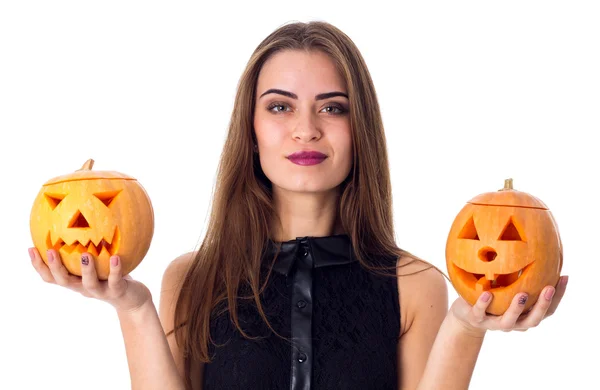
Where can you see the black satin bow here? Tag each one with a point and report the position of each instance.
(326, 251)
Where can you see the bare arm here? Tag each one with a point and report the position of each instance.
(452, 359)
(151, 364)
(156, 361)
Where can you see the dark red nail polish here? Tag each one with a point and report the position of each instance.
(84, 260)
(522, 300)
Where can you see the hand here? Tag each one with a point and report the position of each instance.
(123, 293)
(477, 321)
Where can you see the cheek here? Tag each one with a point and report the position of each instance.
(341, 141)
(270, 135)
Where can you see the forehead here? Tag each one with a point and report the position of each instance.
(299, 71)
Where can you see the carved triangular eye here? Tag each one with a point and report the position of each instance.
(510, 232)
(469, 231)
(107, 197)
(54, 199)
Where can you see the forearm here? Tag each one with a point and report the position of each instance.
(151, 364)
(452, 358)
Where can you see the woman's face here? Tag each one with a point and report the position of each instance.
(302, 105)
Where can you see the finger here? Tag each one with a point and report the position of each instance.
(116, 284)
(41, 267)
(538, 310)
(478, 314)
(60, 273)
(510, 317)
(89, 276)
(560, 287)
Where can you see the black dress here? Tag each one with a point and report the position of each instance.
(343, 322)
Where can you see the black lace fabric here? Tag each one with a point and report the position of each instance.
(355, 329)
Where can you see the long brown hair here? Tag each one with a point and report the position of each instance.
(239, 225)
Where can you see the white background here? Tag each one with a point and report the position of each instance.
(472, 92)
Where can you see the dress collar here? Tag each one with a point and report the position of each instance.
(326, 251)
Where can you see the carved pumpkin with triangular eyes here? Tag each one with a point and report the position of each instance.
(505, 242)
(104, 213)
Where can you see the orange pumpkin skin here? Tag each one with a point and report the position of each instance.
(104, 213)
(505, 242)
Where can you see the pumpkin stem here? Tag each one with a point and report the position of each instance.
(87, 166)
(508, 184)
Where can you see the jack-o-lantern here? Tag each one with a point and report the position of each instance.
(104, 213)
(505, 242)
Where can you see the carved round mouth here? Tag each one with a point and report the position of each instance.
(490, 281)
(109, 246)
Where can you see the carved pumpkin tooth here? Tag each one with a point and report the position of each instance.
(105, 251)
(81, 248)
(110, 240)
(490, 276)
(71, 243)
(92, 249)
(53, 244)
(68, 248)
(482, 285)
(96, 242)
(113, 246)
(54, 238)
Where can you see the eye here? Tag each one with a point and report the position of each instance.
(280, 107)
(469, 231)
(54, 199)
(335, 109)
(107, 197)
(511, 232)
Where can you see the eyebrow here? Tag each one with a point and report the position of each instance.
(320, 96)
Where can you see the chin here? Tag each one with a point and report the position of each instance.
(304, 185)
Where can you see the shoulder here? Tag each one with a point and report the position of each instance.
(422, 289)
(171, 282)
(176, 270)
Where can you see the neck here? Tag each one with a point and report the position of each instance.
(301, 214)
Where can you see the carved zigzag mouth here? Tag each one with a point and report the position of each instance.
(95, 248)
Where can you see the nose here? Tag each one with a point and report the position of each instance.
(306, 128)
(487, 254)
(78, 221)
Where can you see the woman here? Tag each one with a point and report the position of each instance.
(298, 283)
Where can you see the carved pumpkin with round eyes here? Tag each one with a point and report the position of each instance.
(104, 213)
(505, 242)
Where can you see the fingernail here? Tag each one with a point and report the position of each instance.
(486, 296)
(114, 261)
(30, 251)
(564, 281)
(523, 299)
(549, 293)
(85, 260)
(50, 256)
